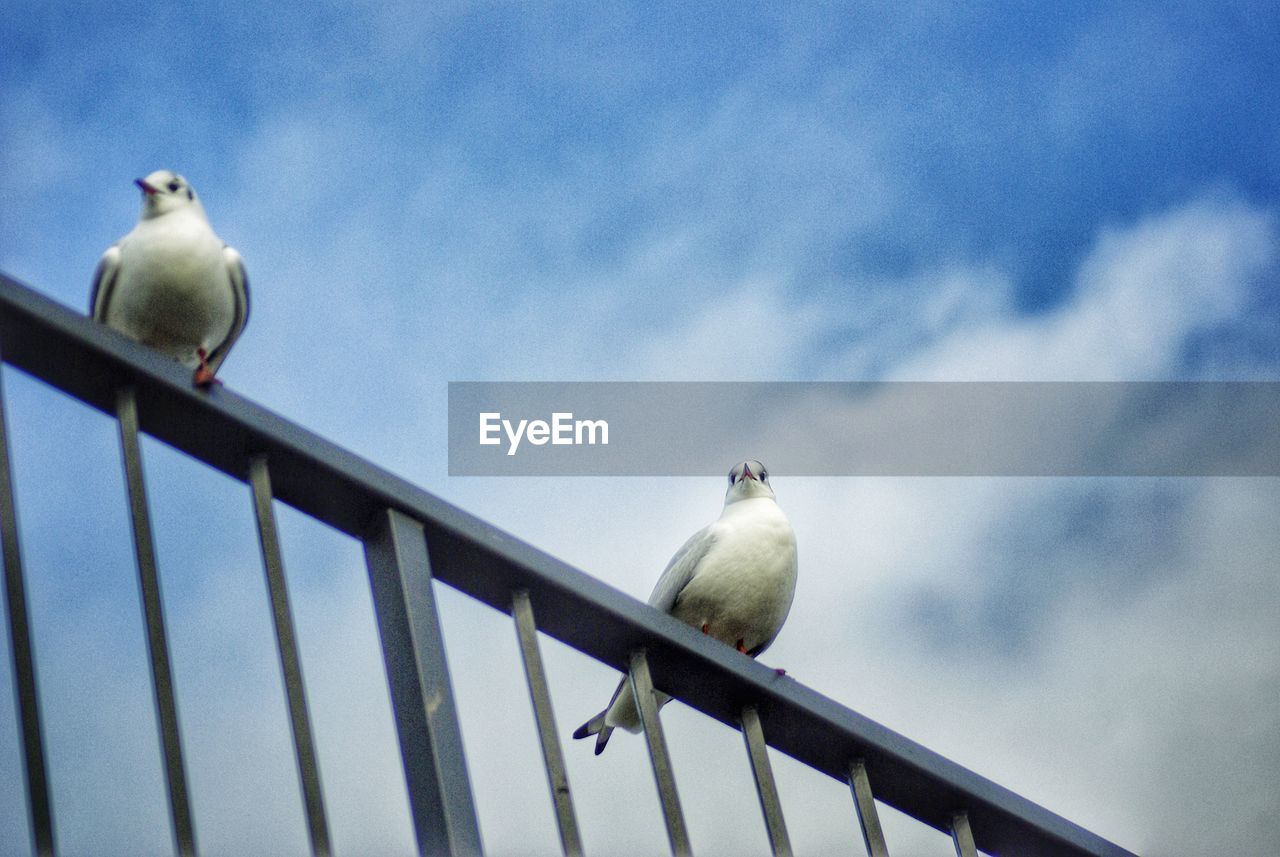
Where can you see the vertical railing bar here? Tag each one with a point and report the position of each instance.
(435, 767)
(962, 835)
(24, 665)
(868, 816)
(153, 614)
(548, 735)
(290, 662)
(642, 687)
(766, 788)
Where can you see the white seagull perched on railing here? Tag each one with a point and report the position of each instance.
(733, 579)
(172, 283)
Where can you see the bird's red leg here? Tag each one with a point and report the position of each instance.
(742, 646)
(705, 626)
(204, 377)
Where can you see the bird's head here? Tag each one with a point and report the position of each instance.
(164, 191)
(746, 480)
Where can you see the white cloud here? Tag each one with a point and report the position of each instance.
(1137, 653)
(1139, 296)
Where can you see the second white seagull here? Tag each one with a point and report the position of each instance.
(733, 579)
(172, 283)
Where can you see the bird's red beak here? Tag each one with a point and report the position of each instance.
(746, 472)
(146, 188)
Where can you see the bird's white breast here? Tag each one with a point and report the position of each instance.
(173, 290)
(744, 585)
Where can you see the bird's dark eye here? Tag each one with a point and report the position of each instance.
(173, 187)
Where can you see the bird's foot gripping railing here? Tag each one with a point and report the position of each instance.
(410, 538)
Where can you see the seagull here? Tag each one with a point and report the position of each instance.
(733, 579)
(172, 283)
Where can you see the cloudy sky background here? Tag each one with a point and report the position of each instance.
(490, 191)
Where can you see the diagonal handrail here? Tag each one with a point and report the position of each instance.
(226, 431)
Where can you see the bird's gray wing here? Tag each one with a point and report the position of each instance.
(240, 289)
(104, 281)
(681, 568)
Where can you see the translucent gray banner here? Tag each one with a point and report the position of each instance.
(865, 429)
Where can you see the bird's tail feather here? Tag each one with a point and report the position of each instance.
(596, 726)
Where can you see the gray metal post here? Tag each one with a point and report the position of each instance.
(435, 768)
(766, 788)
(24, 665)
(642, 687)
(548, 735)
(153, 615)
(868, 817)
(290, 663)
(962, 836)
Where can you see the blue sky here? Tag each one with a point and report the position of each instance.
(500, 191)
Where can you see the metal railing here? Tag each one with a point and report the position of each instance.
(411, 537)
